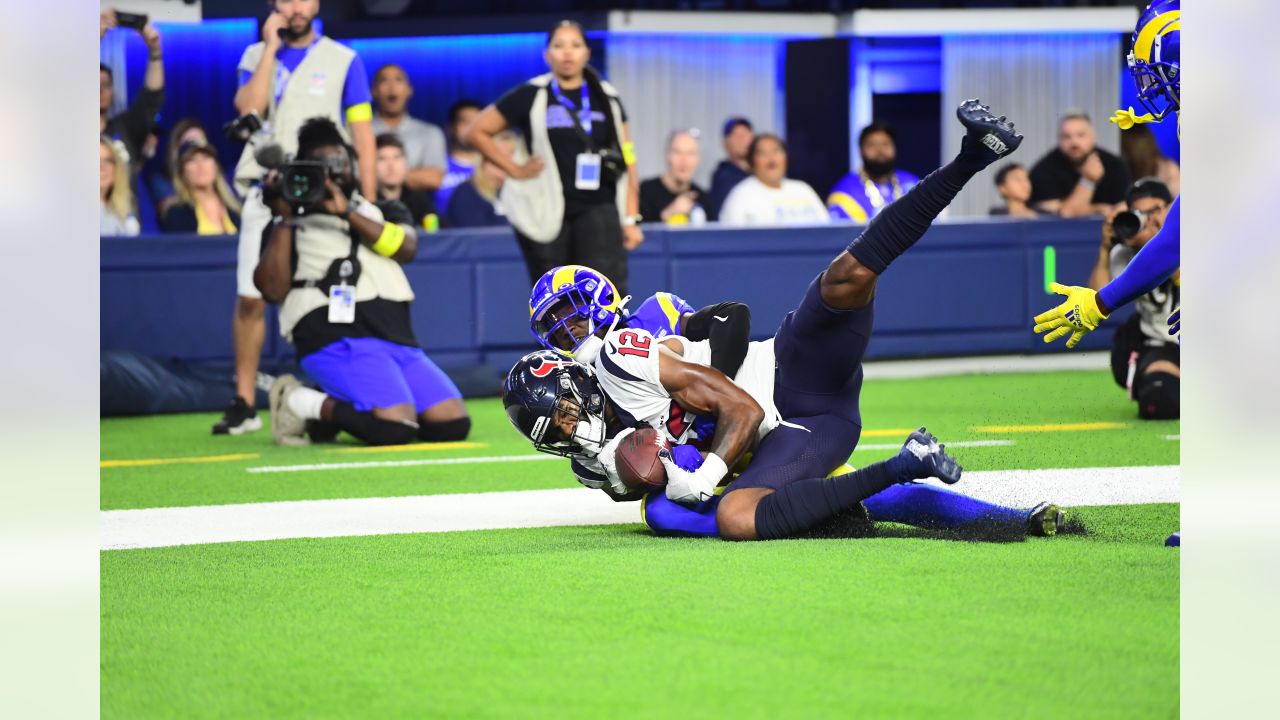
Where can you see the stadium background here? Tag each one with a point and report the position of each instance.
(910, 74)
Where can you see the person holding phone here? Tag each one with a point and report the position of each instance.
(131, 127)
(293, 75)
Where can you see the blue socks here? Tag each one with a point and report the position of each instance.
(928, 506)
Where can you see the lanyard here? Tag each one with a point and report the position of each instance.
(586, 104)
(873, 191)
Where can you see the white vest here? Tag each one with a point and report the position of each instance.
(313, 90)
(535, 206)
(318, 241)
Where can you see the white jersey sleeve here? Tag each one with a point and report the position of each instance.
(627, 368)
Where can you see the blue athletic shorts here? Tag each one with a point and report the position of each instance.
(372, 373)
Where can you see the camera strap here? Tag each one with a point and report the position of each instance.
(342, 271)
(573, 113)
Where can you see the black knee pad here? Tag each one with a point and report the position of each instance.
(445, 430)
(371, 429)
(1158, 396)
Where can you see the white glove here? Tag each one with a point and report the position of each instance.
(609, 460)
(693, 487)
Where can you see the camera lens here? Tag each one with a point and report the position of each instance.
(1125, 225)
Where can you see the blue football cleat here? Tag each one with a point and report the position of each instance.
(989, 138)
(925, 458)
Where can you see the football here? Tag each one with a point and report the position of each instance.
(637, 459)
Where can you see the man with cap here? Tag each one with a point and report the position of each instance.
(1145, 361)
(738, 135)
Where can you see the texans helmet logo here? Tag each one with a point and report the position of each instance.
(546, 367)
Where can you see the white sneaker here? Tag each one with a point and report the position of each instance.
(287, 428)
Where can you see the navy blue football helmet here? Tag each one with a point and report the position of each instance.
(545, 394)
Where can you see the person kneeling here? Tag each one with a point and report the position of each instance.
(334, 267)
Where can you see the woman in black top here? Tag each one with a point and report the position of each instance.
(588, 154)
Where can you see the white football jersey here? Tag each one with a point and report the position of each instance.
(627, 368)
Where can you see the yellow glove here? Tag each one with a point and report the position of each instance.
(1078, 315)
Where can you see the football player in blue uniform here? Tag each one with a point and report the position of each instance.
(801, 420)
(1154, 62)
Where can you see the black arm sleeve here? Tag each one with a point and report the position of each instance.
(728, 327)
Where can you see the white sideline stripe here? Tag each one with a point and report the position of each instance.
(164, 527)
(983, 365)
(1173, 437)
(960, 444)
(400, 463)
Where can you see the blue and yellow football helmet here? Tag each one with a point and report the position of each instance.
(1155, 59)
(568, 292)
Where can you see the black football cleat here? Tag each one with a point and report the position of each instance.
(1046, 520)
(927, 458)
(989, 138)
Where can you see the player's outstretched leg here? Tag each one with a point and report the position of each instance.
(934, 508)
(756, 513)
(849, 282)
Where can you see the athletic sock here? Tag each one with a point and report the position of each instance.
(932, 507)
(371, 429)
(305, 402)
(802, 504)
(901, 223)
(445, 430)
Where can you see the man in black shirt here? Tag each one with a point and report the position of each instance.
(392, 169)
(1078, 178)
(672, 197)
(738, 135)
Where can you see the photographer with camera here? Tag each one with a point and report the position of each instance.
(332, 260)
(1143, 360)
(586, 209)
(292, 75)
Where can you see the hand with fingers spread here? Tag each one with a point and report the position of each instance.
(1078, 315)
(1175, 324)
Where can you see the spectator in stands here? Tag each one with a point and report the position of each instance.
(475, 203)
(860, 195)
(424, 144)
(587, 210)
(1142, 156)
(1144, 360)
(463, 158)
(159, 181)
(116, 216)
(393, 169)
(345, 308)
(205, 204)
(132, 126)
(1078, 178)
(672, 197)
(1014, 186)
(735, 168)
(768, 197)
(334, 85)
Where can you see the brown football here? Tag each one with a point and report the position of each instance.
(637, 459)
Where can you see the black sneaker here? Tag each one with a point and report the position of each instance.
(989, 138)
(238, 419)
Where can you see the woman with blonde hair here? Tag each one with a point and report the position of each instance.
(205, 203)
(114, 193)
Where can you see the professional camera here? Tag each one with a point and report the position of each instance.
(302, 182)
(1126, 224)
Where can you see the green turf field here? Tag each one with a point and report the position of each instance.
(607, 621)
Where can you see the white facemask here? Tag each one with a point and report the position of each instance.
(589, 434)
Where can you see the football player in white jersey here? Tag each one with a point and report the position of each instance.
(800, 420)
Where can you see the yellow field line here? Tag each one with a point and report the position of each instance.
(1058, 427)
(141, 462)
(892, 432)
(414, 446)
